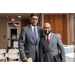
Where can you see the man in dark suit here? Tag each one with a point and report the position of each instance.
(29, 40)
(50, 44)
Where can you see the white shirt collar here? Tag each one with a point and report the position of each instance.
(33, 27)
(49, 34)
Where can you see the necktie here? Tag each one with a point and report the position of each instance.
(48, 39)
(35, 35)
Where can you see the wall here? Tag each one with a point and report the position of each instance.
(71, 15)
(58, 25)
(24, 23)
(40, 20)
(69, 22)
(3, 29)
(3, 32)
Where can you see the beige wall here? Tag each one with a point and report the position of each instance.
(3, 32)
(71, 15)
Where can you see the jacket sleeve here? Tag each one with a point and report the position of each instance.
(41, 51)
(61, 47)
(21, 43)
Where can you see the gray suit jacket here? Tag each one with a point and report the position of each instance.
(27, 45)
(48, 51)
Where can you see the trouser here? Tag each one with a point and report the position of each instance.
(36, 58)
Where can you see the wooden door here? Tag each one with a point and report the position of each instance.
(64, 29)
(58, 25)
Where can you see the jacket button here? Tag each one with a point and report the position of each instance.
(52, 44)
(52, 51)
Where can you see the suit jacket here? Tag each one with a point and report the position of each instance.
(27, 45)
(49, 51)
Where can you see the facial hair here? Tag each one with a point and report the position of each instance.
(34, 25)
(46, 33)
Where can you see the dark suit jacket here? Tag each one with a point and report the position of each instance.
(49, 51)
(27, 45)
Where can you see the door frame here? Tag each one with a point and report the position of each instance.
(19, 29)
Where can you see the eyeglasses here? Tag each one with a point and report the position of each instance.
(34, 18)
(46, 27)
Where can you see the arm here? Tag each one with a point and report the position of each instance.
(21, 45)
(62, 51)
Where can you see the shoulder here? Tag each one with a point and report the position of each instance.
(25, 28)
(56, 36)
(53, 34)
(40, 27)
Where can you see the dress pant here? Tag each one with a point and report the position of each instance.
(36, 58)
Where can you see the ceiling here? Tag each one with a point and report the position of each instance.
(15, 15)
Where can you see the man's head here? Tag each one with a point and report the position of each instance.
(47, 28)
(34, 19)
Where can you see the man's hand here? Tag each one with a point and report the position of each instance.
(24, 59)
(59, 35)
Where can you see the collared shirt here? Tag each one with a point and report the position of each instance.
(49, 36)
(33, 30)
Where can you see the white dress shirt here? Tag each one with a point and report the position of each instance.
(49, 36)
(33, 30)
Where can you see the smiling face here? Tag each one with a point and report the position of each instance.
(34, 20)
(47, 28)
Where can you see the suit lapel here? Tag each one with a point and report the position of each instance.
(45, 41)
(51, 37)
(38, 31)
(31, 34)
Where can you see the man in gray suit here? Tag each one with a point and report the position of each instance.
(50, 44)
(29, 40)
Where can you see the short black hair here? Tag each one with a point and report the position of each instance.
(34, 15)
